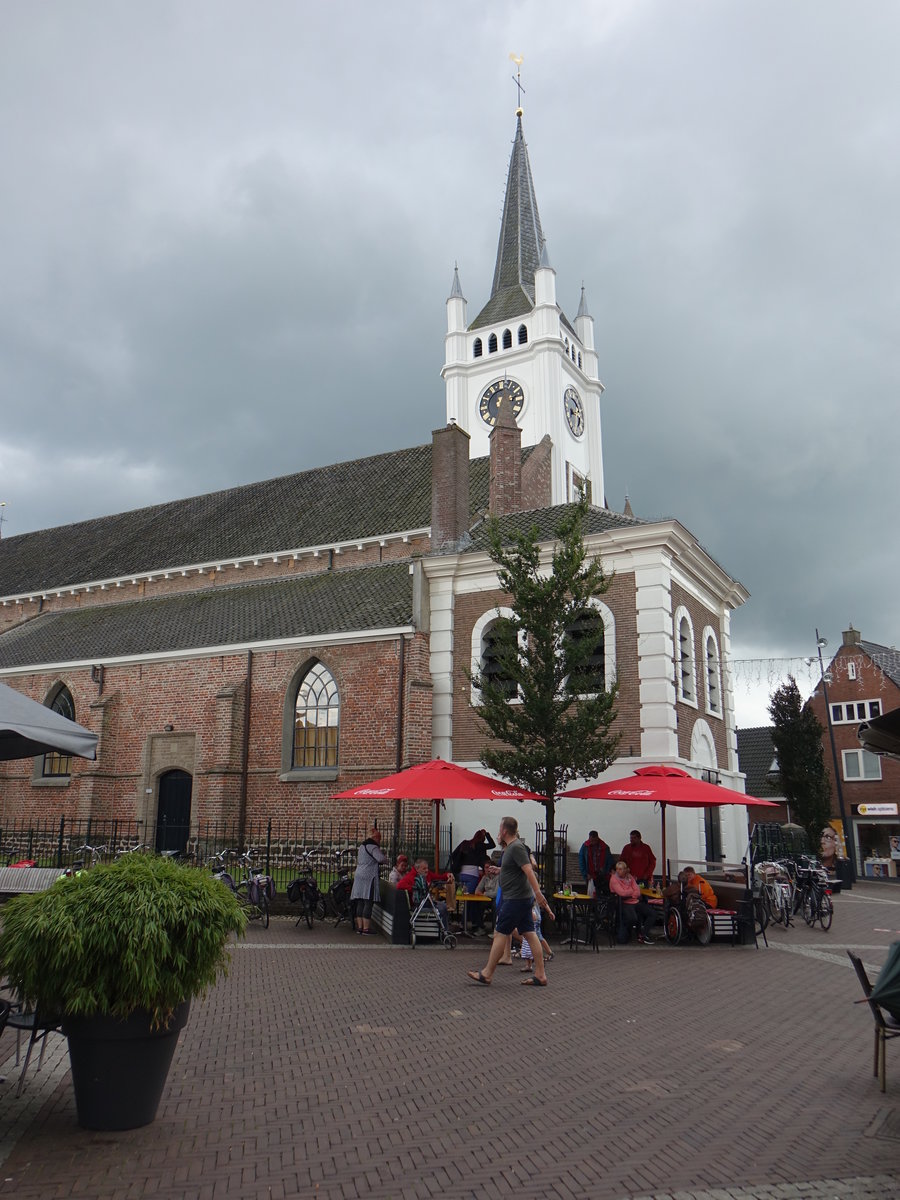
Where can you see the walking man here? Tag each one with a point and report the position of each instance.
(520, 890)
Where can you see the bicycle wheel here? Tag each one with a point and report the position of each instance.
(263, 906)
(319, 910)
(767, 903)
(809, 908)
(826, 911)
(674, 927)
(308, 911)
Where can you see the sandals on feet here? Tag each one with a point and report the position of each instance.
(534, 982)
(477, 977)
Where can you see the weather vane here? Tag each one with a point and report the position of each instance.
(517, 80)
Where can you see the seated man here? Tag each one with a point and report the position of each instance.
(640, 858)
(595, 860)
(635, 910)
(419, 882)
(696, 883)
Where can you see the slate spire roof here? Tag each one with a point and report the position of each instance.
(519, 247)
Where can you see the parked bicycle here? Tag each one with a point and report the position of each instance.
(255, 891)
(776, 892)
(86, 857)
(337, 898)
(815, 893)
(304, 890)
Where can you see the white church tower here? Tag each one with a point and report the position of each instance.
(523, 343)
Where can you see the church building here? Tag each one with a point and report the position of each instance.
(249, 653)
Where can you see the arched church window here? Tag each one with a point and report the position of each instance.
(477, 348)
(579, 360)
(713, 685)
(496, 638)
(588, 628)
(523, 335)
(492, 344)
(507, 339)
(56, 765)
(685, 673)
(316, 719)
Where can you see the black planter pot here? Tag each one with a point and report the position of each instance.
(119, 1068)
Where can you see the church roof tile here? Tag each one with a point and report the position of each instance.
(319, 507)
(349, 601)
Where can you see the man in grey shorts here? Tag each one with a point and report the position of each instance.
(520, 891)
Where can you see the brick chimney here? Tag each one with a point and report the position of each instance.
(449, 486)
(851, 636)
(506, 461)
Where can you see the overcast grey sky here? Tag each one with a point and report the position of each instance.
(228, 230)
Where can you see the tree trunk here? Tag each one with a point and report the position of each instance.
(549, 881)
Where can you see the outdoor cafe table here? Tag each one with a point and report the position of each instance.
(467, 898)
(579, 903)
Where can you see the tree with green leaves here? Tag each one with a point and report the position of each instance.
(797, 738)
(544, 700)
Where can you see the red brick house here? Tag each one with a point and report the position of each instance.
(862, 682)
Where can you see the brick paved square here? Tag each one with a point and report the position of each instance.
(325, 1068)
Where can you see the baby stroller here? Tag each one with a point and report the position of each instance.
(426, 920)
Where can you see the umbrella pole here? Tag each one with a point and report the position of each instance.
(437, 835)
(665, 860)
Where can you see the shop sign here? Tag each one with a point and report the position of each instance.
(876, 810)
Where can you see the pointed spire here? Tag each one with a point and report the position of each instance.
(456, 292)
(582, 307)
(545, 257)
(521, 240)
(627, 511)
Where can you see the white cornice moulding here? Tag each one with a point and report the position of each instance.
(326, 639)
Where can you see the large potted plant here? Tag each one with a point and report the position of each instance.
(117, 952)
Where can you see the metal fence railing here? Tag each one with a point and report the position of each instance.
(279, 847)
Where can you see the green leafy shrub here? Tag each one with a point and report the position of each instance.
(140, 933)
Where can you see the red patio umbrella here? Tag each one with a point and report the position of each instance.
(437, 781)
(664, 785)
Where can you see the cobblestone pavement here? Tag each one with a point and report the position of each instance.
(336, 1067)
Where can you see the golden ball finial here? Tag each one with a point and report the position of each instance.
(520, 112)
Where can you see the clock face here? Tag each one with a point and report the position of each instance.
(574, 411)
(491, 396)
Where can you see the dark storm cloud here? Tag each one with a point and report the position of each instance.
(228, 233)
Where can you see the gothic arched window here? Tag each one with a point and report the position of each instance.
(59, 765)
(492, 344)
(523, 335)
(477, 348)
(316, 719)
(507, 339)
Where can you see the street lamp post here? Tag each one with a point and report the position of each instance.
(848, 833)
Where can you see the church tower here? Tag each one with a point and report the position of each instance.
(523, 344)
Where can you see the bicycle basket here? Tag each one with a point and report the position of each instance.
(295, 890)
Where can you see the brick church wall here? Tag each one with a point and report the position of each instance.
(203, 700)
(468, 735)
